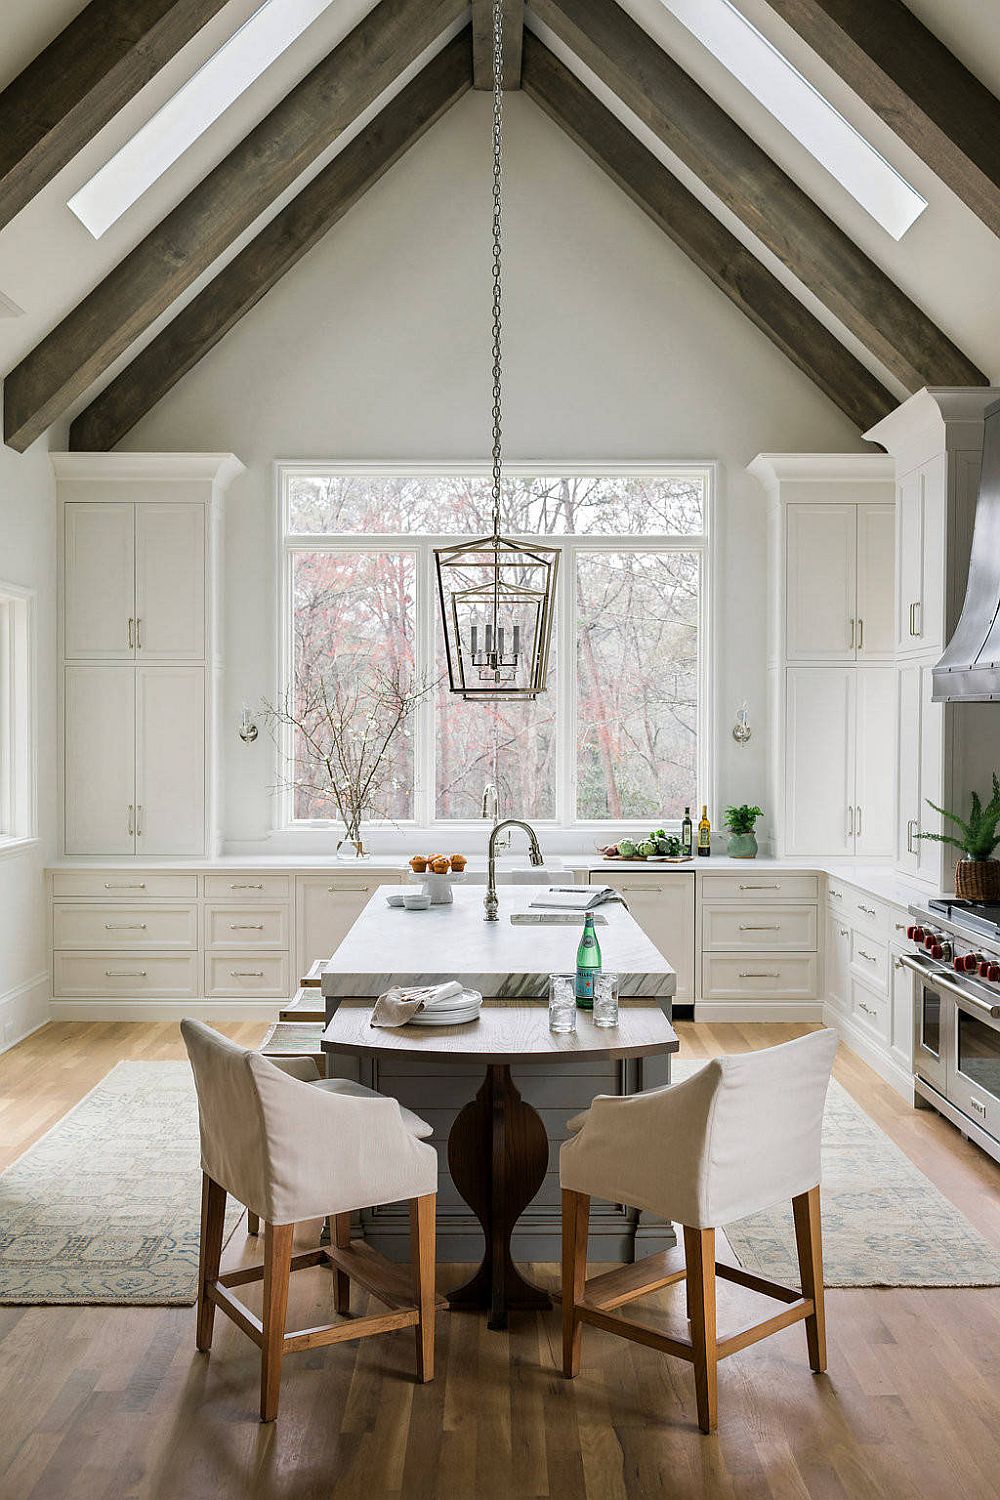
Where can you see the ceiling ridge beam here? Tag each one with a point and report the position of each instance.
(910, 79)
(761, 194)
(282, 243)
(754, 289)
(80, 81)
(216, 212)
(482, 43)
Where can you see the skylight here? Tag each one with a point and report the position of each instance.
(189, 113)
(803, 111)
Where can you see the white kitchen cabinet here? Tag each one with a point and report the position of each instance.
(921, 529)
(99, 581)
(170, 582)
(99, 769)
(170, 760)
(821, 582)
(876, 569)
(773, 926)
(839, 761)
(663, 906)
(921, 767)
(838, 960)
(327, 906)
(901, 993)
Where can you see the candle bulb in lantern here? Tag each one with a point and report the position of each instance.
(475, 633)
(489, 639)
(517, 640)
(500, 633)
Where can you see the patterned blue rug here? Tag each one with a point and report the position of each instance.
(106, 1207)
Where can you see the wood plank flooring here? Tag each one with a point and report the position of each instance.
(115, 1403)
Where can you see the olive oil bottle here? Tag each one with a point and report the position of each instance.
(687, 835)
(704, 834)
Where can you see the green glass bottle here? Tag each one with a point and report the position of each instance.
(588, 963)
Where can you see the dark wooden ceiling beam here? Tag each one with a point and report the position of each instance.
(482, 43)
(782, 216)
(919, 88)
(756, 291)
(80, 81)
(240, 285)
(224, 204)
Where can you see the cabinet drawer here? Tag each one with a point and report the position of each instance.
(870, 1011)
(159, 976)
(862, 910)
(869, 959)
(760, 977)
(123, 885)
(264, 975)
(246, 926)
(78, 925)
(244, 888)
(766, 927)
(733, 885)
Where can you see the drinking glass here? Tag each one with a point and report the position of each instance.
(562, 1002)
(605, 999)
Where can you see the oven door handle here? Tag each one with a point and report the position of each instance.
(939, 981)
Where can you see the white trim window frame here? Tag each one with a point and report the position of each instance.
(17, 717)
(421, 546)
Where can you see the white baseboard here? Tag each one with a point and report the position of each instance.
(739, 1010)
(166, 1010)
(23, 1010)
(881, 1062)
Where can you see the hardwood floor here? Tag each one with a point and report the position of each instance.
(115, 1403)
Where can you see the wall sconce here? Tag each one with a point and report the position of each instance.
(248, 729)
(741, 729)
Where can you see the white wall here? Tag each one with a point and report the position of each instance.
(28, 558)
(376, 347)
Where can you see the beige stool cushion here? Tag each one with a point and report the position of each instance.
(413, 1122)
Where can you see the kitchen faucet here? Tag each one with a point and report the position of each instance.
(491, 903)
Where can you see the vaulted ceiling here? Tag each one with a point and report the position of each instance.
(101, 329)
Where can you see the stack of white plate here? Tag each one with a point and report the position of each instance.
(451, 1011)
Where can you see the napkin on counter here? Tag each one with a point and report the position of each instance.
(397, 1006)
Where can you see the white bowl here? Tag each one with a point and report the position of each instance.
(416, 900)
(396, 899)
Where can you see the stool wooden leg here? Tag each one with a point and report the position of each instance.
(213, 1219)
(277, 1268)
(575, 1225)
(341, 1280)
(699, 1251)
(423, 1249)
(809, 1242)
(253, 1222)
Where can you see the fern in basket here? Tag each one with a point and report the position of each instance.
(979, 835)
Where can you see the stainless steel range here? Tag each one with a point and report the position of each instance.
(956, 1014)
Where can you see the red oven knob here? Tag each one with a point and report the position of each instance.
(929, 940)
(993, 973)
(984, 969)
(937, 951)
(959, 964)
(911, 933)
(918, 934)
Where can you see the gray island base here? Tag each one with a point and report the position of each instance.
(489, 1067)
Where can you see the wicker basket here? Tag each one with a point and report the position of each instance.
(978, 879)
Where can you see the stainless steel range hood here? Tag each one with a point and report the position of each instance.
(969, 670)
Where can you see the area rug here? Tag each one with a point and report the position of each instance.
(884, 1223)
(106, 1207)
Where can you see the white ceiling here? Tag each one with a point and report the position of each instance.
(949, 262)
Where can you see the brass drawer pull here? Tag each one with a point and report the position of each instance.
(760, 974)
(247, 885)
(125, 926)
(246, 973)
(246, 927)
(125, 974)
(124, 885)
(760, 926)
(775, 885)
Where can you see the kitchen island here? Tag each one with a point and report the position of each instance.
(510, 965)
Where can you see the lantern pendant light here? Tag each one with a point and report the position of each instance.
(497, 593)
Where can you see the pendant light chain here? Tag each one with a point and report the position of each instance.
(497, 225)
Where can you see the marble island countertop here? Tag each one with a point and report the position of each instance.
(389, 945)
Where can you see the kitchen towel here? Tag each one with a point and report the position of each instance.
(397, 1006)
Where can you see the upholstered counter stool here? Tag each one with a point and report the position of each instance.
(738, 1136)
(292, 1148)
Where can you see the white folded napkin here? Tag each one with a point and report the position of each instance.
(397, 1005)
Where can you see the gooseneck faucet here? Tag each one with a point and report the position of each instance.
(491, 903)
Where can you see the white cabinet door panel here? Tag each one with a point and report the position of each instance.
(876, 567)
(932, 733)
(819, 760)
(821, 582)
(908, 731)
(170, 760)
(875, 786)
(909, 556)
(170, 582)
(838, 960)
(663, 906)
(325, 910)
(935, 529)
(99, 580)
(99, 774)
(773, 926)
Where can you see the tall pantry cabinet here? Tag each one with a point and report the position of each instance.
(831, 648)
(140, 648)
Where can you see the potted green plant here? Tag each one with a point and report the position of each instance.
(740, 822)
(977, 873)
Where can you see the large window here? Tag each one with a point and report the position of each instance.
(620, 736)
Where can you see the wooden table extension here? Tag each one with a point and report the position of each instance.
(497, 1146)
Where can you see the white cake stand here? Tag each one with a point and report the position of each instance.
(438, 887)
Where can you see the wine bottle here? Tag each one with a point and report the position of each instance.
(687, 835)
(704, 834)
(588, 963)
